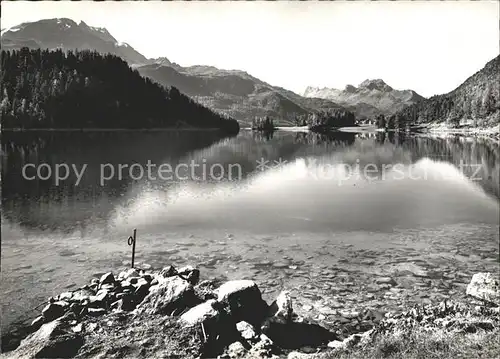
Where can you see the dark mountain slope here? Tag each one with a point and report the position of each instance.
(53, 89)
(475, 102)
(236, 93)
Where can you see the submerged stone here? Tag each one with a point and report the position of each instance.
(385, 280)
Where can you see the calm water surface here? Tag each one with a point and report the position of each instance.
(324, 216)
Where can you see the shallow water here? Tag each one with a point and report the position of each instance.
(325, 218)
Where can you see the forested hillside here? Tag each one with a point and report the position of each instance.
(84, 89)
(476, 102)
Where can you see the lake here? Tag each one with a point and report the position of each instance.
(329, 217)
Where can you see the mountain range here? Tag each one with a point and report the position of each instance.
(235, 93)
(370, 99)
(232, 92)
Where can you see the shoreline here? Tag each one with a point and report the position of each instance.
(493, 132)
(349, 274)
(229, 319)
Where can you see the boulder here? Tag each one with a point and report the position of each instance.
(190, 273)
(168, 272)
(170, 296)
(66, 296)
(126, 285)
(54, 310)
(50, 341)
(282, 308)
(206, 289)
(236, 287)
(129, 273)
(81, 294)
(100, 299)
(244, 301)
(109, 286)
(76, 308)
(484, 286)
(107, 278)
(141, 289)
(295, 335)
(125, 303)
(201, 313)
(37, 323)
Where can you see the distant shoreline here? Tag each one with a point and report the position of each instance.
(427, 130)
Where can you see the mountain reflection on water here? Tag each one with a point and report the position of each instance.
(303, 177)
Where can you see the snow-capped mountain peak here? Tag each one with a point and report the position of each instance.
(67, 34)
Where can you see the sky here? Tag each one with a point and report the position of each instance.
(427, 46)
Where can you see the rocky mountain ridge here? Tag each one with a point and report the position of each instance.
(66, 34)
(370, 99)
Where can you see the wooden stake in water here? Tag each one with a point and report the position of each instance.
(131, 242)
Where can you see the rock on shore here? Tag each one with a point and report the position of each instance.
(169, 313)
(484, 286)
